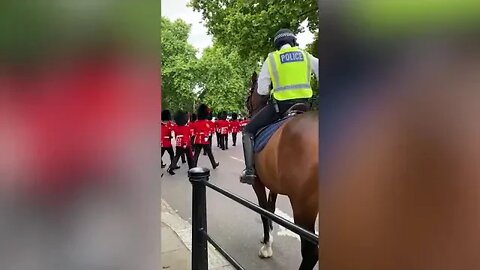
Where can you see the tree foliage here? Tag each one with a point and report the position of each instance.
(249, 25)
(243, 33)
(179, 65)
(223, 79)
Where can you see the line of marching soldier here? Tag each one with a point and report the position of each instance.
(224, 127)
(193, 133)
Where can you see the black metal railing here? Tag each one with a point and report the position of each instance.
(199, 178)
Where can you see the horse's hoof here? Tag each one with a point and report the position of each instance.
(266, 251)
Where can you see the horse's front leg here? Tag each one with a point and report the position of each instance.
(272, 199)
(266, 249)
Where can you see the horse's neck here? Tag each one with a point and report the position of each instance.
(257, 102)
(259, 108)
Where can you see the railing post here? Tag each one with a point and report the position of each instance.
(199, 217)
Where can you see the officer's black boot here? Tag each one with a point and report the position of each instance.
(248, 175)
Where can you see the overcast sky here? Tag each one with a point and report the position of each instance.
(177, 9)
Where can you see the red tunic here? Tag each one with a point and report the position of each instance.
(202, 130)
(212, 127)
(234, 126)
(182, 136)
(223, 126)
(192, 131)
(243, 123)
(166, 135)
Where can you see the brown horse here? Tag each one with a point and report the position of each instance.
(288, 165)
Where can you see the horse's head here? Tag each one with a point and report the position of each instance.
(255, 102)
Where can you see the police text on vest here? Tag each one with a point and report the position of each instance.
(289, 57)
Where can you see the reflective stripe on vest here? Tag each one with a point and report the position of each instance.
(293, 82)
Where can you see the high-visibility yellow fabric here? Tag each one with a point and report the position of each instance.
(290, 72)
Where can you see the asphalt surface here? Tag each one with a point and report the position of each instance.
(237, 229)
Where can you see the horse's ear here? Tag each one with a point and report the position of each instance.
(254, 77)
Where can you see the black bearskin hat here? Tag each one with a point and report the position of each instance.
(224, 115)
(166, 115)
(234, 116)
(202, 112)
(181, 118)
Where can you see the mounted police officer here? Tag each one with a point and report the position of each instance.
(289, 70)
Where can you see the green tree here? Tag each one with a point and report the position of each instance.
(179, 63)
(249, 25)
(312, 48)
(223, 79)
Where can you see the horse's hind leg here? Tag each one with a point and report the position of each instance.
(266, 249)
(309, 255)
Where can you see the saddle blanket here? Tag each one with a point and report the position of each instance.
(264, 135)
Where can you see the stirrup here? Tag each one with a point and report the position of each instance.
(247, 178)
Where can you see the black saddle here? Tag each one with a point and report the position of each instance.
(297, 108)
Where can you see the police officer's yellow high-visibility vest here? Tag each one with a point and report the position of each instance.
(290, 72)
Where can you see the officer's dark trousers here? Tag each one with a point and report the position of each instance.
(207, 148)
(218, 138)
(169, 150)
(268, 115)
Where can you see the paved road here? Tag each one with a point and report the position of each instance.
(236, 228)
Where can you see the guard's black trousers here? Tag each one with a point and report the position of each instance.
(210, 142)
(234, 138)
(207, 148)
(169, 150)
(180, 152)
(218, 138)
(223, 141)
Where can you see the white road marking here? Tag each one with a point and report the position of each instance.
(282, 230)
(237, 159)
(285, 232)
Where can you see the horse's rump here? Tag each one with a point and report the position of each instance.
(291, 153)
